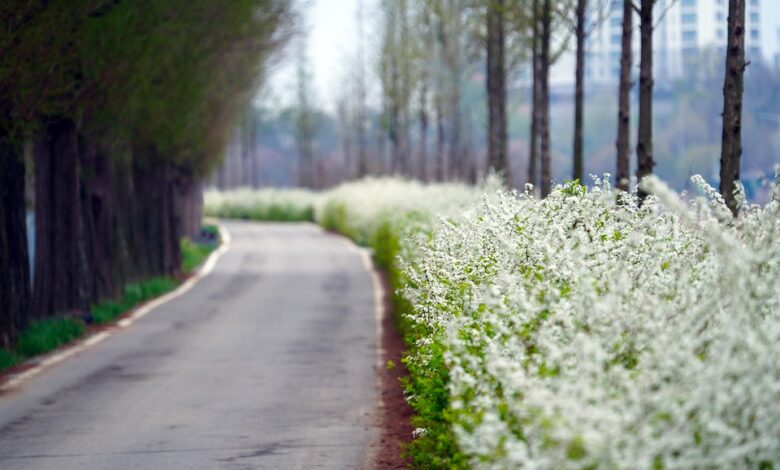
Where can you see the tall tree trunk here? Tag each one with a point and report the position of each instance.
(533, 151)
(189, 202)
(346, 139)
(496, 91)
(544, 91)
(362, 143)
(126, 261)
(457, 166)
(99, 206)
(733, 88)
(157, 216)
(441, 164)
(623, 143)
(14, 261)
(455, 156)
(579, 73)
(423, 115)
(441, 85)
(644, 146)
(62, 280)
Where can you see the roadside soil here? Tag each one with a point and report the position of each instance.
(395, 415)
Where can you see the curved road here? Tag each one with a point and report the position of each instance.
(266, 363)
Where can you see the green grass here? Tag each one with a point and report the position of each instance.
(49, 334)
(46, 335)
(134, 294)
(8, 359)
(192, 254)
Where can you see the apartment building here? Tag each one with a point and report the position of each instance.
(684, 28)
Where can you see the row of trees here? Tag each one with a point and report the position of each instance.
(118, 109)
(426, 62)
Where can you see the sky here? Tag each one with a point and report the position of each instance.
(331, 32)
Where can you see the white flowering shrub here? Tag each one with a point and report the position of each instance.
(578, 332)
(286, 205)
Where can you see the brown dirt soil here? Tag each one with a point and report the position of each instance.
(394, 416)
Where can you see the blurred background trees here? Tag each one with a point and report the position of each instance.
(419, 94)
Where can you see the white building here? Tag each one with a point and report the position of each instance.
(684, 28)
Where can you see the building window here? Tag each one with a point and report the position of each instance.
(754, 17)
(721, 34)
(755, 51)
(754, 34)
(688, 18)
(617, 6)
(718, 16)
(616, 39)
(689, 3)
(616, 21)
(689, 36)
(754, 3)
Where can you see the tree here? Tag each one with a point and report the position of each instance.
(577, 171)
(129, 103)
(624, 99)
(733, 88)
(360, 120)
(581, 32)
(544, 96)
(496, 89)
(533, 154)
(304, 121)
(14, 267)
(644, 145)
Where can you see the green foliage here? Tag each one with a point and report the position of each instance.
(49, 334)
(192, 254)
(169, 75)
(8, 359)
(134, 294)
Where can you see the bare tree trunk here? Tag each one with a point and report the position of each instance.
(623, 143)
(733, 88)
(496, 90)
(441, 164)
(455, 158)
(644, 146)
(423, 114)
(544, 122)
(441, 170)
(578, 170)
(62, 279)
(14, 261)
(360, 123)
(456, 162)
(533, 151)
(346, 140)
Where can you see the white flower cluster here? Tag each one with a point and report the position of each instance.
(359, 209)
(583, 332)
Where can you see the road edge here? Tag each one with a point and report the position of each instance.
(42, 363)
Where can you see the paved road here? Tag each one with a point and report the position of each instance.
(266, 363)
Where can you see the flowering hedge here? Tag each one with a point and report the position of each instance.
(580, 331)
(283, 205)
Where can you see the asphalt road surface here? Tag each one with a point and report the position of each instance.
(266, 363)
